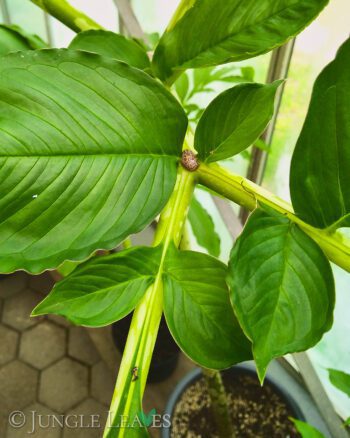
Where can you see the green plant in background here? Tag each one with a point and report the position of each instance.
(341, 381)
(93, 149)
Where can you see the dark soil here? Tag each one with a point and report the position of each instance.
(257, 412)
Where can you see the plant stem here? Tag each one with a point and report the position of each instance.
(146, 319)
(68, 15)
(219, 405)
(249, 195)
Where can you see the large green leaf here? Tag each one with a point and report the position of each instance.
(198, 310)
(203, 228)
(282, 288)
(214, 32)
(105, 289)
(112, 45)
(340, 380)
(13, 39)
(88, 155)
(306, 430)
(234, 120)
(320, 170)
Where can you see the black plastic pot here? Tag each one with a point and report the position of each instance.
(194, 375)
(166, 352)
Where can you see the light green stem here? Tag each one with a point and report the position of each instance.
(249, 195)
(146, 319)
(67, 15)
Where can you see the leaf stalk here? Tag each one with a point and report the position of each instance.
(249, 195)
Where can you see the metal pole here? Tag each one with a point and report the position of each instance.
(278, 69)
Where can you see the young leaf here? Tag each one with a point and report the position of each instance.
(104, 289)
(113, 45)
(198, 310)
(214, 32)
(203, 228)
(320, 169)
(282, 288)
(14, 39)
(234, 120)
(88, 155)
(306, 430)
(340, 380)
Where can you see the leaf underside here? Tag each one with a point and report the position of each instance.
(234, 120)
(88, 155)
(112, 45)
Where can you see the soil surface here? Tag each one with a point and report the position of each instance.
(257, 412)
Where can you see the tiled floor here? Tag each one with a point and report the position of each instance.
(46, 365)
(54, 369)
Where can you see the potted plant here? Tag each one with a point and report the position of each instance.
(93, 149)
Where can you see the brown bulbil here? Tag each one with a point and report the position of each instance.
(189, 161)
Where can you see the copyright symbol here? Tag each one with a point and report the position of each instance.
(17, 419)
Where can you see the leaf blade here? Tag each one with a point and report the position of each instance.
(234, 120)
(194, 285)
(319, 179)
(67, 165)
(203, 228)
(340, 380)
(282, 288)
(112, 45)
(217, 32)
(104, 289)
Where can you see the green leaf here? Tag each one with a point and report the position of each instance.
(182, 86)
(234, 120)
(112, 45)
(282, 288)
(198, 310)
(347, 422)
(203, 228)
(340, 380)
(306, 430)
(14, 39)
(320, 169)
(215, 32)
(88, 155)
(104, 289)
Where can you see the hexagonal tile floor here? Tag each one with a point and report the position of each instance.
(52, 378)
(50, 371)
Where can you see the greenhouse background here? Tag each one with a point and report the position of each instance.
(312, 50)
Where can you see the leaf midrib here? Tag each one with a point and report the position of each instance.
(84, 155)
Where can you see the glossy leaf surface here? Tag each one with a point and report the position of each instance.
(282, 288)
(104, 289)
(112, 45)
(88, 155)
(214, 32)
(234, 120)
(320, 170)
(198, 310)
